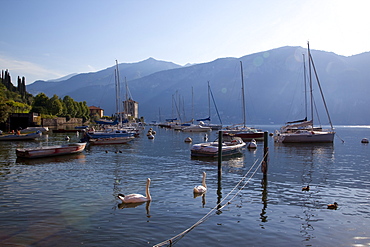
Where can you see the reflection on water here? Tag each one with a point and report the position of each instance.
(134, 205)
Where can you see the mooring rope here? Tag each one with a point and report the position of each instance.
(218, 207)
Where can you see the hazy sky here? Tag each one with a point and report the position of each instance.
(47, 39)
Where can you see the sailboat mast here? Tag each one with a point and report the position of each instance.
(192, 105)
(310, 76)
(126, 100)
(243, 96)
(209, 101)
(118, 95)
(305, 84)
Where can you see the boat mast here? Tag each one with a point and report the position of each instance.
(192, 105)
(305, 84)
(209, 102)
(243, 97)
(310, 76)
(126, 106)
(118, 95)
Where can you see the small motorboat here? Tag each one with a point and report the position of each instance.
(229, 147)
(21, 137)
(48, 151)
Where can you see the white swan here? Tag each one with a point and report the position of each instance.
(136, 198)
(201, 188)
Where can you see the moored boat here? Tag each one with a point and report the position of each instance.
(34, 129)
(48, 151)
(246, 133)
(233, 146)
(304, 131)
(21, 137)
(110, 140)
(241, 130)
(197, 128)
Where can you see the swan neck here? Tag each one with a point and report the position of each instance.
(204, 180)
(147, 192)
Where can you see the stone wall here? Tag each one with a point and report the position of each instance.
(61, 121)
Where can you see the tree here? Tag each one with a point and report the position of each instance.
(55, 106)
(5, 110)
(40, 104)
(70, 107)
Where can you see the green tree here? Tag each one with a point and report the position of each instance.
(40, 104)
(55, 106)
(70, 107)
(5, 110)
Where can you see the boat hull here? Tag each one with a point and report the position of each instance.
(21, 137)
(49, 151)
(307, 137)
(197, 129)
(210, 149)
(245, 135)
(112, 140)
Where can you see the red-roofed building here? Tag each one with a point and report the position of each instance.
(96, 111)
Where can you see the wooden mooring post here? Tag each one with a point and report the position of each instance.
(220, 155)
(219, 187)
(265, 153)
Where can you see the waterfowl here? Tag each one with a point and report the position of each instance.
(201, 188)
(188, 139)
(137, 198)
(333, 206)
(67, 138)
(252, 144)
(307, 188)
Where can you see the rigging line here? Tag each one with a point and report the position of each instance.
(214, 103)
(105, 90)
(339, 137)
(203, 219)
(322, 94)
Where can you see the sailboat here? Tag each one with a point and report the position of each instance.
(209, 124)
(242, 131)
(115, 134)
(304, 131)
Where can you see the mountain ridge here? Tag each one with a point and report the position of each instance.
(271, 81)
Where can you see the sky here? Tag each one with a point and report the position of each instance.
(43, 39)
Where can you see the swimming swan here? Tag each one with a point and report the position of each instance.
(201, 188)
(136, 198)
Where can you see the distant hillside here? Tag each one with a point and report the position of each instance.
(273, 84)
(99, 79)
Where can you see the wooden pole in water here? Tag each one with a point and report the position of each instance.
(265, 153)
(219, 154)
(219, 190)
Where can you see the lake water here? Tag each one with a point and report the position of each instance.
(72, 200)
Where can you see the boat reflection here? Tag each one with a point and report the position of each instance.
(236, 161)
(312, 162)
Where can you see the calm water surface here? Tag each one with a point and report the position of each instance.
(72, 200)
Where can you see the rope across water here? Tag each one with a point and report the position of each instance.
(218, 207)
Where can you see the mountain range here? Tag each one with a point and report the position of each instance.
(274, 87)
